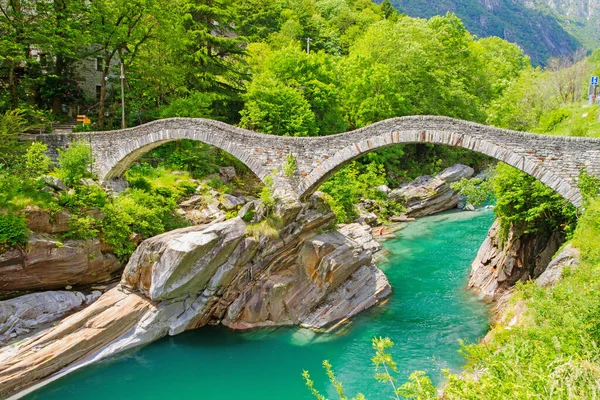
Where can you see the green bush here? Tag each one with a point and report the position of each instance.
(137, 212)
(289, 167)
(528, 205)
(13, 230)
(82, 228)
(36, 161)
(75, 162)
(350, 184)
(12, 124)
(139, 182)
(477, 191)
(587, 232)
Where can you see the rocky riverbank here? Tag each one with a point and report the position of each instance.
(500, 263)
(308, 274)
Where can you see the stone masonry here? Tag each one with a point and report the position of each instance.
(555, 161)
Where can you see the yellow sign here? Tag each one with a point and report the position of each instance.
(81, 118)
(87, 121)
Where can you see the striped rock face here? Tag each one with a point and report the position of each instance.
(555, 161)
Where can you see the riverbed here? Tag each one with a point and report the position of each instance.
(428, 314)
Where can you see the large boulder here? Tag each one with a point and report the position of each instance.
(46, 263)
(429, 195)
(43, 221)
(183, 261)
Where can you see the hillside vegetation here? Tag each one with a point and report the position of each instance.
(543, 28)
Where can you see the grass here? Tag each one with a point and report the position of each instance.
(573, 120)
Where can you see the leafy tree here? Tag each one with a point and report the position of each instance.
(212, 49)
(388, 9)
(119, 30)
(274, 108)
(527, 205)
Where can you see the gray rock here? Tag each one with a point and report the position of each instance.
(227, 173)
(26, 313)
(193, 201)
(427, 195)
(230, 202)
(384, 189)
(88, 182)
(499, 265)
(567, 257)
(54, 182)
(366, 287)
(362, 235)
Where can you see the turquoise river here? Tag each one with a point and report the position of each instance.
(429, 312)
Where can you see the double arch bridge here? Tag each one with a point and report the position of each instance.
(554, 160)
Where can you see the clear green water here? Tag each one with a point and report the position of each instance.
(427, 315)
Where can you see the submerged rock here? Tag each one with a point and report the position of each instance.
(426, 195)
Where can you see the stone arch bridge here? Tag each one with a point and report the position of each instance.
(555, 161)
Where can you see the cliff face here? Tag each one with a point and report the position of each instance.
(308, 275)
(543, 28)
(498, 266)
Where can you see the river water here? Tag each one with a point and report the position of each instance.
(427, 315)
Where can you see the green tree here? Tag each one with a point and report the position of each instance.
(211, 48)
(120, 29)
(275, 108)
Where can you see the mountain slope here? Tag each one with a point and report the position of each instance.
(543, 28)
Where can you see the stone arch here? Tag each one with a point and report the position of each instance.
(515, 154)
(115, 151)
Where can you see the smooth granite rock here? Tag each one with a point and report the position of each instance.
(426, 195)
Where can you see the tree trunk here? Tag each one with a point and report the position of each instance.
(102, 98)
(12, 85)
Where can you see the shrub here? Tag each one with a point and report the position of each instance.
(266, 195)
(75, 162)
(588, 231)
(82, 228)
(477, 191)
(13, 230)
(589, 185)
(289, 167)
(139, 182)
(12, 124)
(136, 211)
(36, 161)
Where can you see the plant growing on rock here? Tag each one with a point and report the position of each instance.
(266, 193)
(289, 167)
